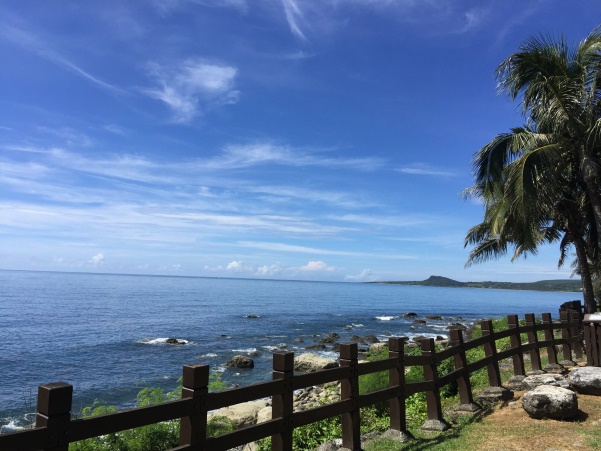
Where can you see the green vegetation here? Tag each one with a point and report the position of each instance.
(543, 285)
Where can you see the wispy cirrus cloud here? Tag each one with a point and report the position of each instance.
(192, 87)
(41, 47)
(283, 247)
(424, 169)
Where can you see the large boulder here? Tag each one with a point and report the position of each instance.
(546, 401)
(556, 380)
(240, 361)
(244, 414)
(307, 363)
(586, 380)
(377, 348)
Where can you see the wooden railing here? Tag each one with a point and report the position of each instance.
(55, 429)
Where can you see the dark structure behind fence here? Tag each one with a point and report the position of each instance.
(54, 428)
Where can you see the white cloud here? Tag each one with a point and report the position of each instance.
(192, 86)
(97, 260)
(425, 169)
(235, 266)
(365, 276)
(269, 270)
(316, 266)
(294, 15)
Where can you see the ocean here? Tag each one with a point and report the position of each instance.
(105, 334)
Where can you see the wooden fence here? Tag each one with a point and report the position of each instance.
(55, 429)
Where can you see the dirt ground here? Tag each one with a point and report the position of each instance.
(511, 428)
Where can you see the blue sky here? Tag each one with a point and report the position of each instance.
(293, 139)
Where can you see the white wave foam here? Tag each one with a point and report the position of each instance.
(357, 325)
(12, 426)
(271, 348)
(245, 351)
(385, 318)
(160, 341)
(210, 355)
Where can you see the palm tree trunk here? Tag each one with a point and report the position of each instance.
(585, 275)
(589, 172)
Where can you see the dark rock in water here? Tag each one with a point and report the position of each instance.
(371, 339)
(336, 347)
(348, 328)
(299, 340)
(240, 361)
(254, 354)
(419, 321)
(434, 317)
(419, 338)
(330, 338)
(357, 339)
(223, 335)
(409, 315)
(252, 316)
(412, 328)
(440, 338)
(282, 346)
(457, 326)
(174, 341)
(315, 347)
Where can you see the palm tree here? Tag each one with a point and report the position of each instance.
(560, 90)
(541, 183)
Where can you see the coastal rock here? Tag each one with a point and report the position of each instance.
(419, 321)
(357, 339)
(307, 363)
(240, 361)
(586, 380)
(409, 315)
(556, 380)
(244, 414)
(320, 346)
(252, 316)
(371, 339)
(377, 348)
(299, 340)
(174, 341)
(546, 401)
(457, 326)
(330, 338)
(434, 317)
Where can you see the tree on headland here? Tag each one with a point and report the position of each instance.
(540, 183)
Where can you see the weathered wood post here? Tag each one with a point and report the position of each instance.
(283, 404)
(576, 323)
(566, 335)
(533, 339)
(195, 385)
(435, 421)
(349, 389)
(464, 386)
(515, 339)
(54, 413)
(553, 366)
(398, 418)
(495, 392)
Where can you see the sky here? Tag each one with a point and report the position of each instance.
(281, 139)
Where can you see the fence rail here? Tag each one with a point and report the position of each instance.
(54, 428)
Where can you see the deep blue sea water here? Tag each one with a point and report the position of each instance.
(104, 334)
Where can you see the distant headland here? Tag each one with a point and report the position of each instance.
(542, 285)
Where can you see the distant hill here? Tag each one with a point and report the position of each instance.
(542, 285)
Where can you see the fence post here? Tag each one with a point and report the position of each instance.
(54, 413)
(435, 420)
(553, 366)
(282, 405)
(515, 381)
(566, 335)
(464, 386)
(533, 339)
(349, 389)
(495, 392)
(398, 418)
(576, 323)
(195, 385)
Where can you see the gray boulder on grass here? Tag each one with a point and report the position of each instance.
(546, 401)
(586, 380)
(556, 380)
